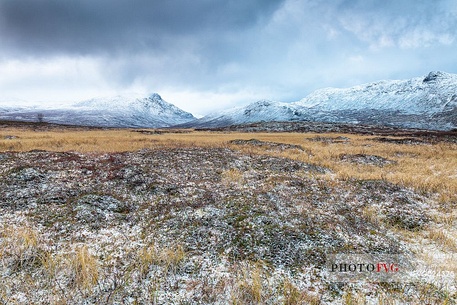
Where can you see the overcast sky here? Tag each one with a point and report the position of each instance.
(204, 55)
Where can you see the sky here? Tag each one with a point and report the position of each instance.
(208, 55)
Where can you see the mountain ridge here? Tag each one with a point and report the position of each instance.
(118, 111)
(427, 102)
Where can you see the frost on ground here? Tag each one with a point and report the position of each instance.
(196, 226)
(366, 159)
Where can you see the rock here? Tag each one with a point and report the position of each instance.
(104, 203)
(339, 139)
(270, 145)
(28, 174)
(96, 210)
(433, 76)
(10, 137)
(367, 159)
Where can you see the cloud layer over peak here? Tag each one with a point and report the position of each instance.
(203, 55)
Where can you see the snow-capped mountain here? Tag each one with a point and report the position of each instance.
(260, 111)
(152, 112)
(428, 102)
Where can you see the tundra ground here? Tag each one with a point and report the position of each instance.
(94, 216)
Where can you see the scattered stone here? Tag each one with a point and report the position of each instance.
(398, 207)
(96, 211)
(270, 145)
(3, 156)
(104, 203)
(149, 132)
(429, 136)
(408, 141)
(339, 139)
(10, 137)
(28, 174)
(367, 159)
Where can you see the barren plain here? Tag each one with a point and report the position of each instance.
(129, 216)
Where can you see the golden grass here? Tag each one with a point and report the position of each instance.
(426, 168)
(28, 237)
(249, 288)
(85, 268)
(293, 296)
(171, 257)
(447, 219)
(168, 257)
(442, 238)
(232, 175)
(147, 256)
(51, 264)
(350, 299)
(21, 244)
(371, 213)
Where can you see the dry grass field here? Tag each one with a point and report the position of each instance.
(426, 167)
(129, 245)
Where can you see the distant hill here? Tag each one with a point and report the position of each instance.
(428, 102)
(152, 112)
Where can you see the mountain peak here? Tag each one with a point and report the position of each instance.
(117, 111)
(261, 103)
(427, 102)
(155, 96)
(435, 75)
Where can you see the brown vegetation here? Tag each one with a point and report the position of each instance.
(135, 216)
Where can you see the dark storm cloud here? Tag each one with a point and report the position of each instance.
(233, 51)
(85, 26)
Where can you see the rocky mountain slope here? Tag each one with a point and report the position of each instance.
(152, 112)
(261, 111)
(428, 102)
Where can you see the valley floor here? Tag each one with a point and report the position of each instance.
(91, 216)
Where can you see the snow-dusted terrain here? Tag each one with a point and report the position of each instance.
(428, 102)
(119, 111)
(261, 111)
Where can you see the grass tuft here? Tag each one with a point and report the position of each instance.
(85, 268)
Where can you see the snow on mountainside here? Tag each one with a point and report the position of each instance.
(120, 111)
(418, 95)
(428, 102)
(256, 112)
